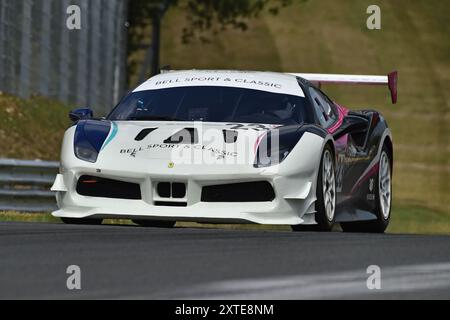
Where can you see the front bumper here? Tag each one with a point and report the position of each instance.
(293, 203)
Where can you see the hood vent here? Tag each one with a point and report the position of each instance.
(141, 135)
(230, 136)
(184, 136)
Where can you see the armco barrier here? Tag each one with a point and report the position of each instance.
(25, 185)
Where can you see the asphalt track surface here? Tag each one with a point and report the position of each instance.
(128, 262)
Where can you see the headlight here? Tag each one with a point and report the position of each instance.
(86, 152)
(89, 138)
(271, 157)
(276, 145)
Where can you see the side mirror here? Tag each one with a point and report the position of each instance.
(352, 123)
(80, 114)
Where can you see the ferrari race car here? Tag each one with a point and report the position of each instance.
(231, 147)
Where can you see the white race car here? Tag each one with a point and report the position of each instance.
(230, 146)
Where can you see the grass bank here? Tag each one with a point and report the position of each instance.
(31, 128)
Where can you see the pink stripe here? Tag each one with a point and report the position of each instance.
(369, 174)
(342, 112)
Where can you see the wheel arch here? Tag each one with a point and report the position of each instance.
(390, 147)
(330, 142)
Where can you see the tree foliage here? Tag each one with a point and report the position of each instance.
(204, 19)
(217, 15)
(203, 16)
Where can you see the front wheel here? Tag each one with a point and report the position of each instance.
(383, 198)
(81, 221)
(155, 223)
(326, 195)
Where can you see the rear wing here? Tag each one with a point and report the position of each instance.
(390, 80)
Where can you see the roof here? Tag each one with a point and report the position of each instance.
(257, 80)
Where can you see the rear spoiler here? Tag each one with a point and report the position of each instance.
(319, 79)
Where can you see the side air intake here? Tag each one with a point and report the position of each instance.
(239, 192)
(107, 188)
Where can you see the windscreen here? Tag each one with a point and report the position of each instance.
(212, 104)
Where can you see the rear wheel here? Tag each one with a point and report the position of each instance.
(82, 221)
(383, 198)
(155, 223)
(326, 195)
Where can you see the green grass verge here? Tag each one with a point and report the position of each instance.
(420, 220)
(12, 216)
(405, 219)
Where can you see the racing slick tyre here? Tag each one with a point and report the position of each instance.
(383, 198)
(155, 223)
(326, 195)
(79, 221)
